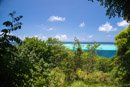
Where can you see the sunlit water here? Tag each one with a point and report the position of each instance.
(105, 49)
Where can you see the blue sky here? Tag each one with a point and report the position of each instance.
(63, 19)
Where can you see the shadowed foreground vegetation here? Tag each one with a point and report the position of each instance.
(37, 63)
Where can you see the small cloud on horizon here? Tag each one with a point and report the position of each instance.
(37, 36)
(56, 18)
(61, 37)
(40, 37)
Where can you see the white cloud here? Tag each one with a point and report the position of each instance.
(36, 36)
(40, 37)
(82, 25)
(107, 27)
(50, 29)
(90, 36)
(44, 37)
(61, 37)
(123, 23)
(56, 18)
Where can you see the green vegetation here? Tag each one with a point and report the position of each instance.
(8, 52)
(123, 56)
(37, 63)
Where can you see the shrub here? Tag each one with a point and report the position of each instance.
(78, 84)
(56, 78)
(121, 63)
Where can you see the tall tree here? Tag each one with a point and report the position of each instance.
(122, 61)
(8, 51)
(78, 53)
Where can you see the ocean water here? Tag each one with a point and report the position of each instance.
(106, 49)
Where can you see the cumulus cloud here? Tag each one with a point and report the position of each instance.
(107, 27)
(123, 23)
(61, 37)
(82, 25)
(56, 18)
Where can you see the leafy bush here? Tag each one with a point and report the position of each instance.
(38, 59)
(56, 78)
(121, 63)
(78, 84)
(103, 64)
(95, 77)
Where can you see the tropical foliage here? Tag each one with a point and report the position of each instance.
(38, 63)
(123, 56)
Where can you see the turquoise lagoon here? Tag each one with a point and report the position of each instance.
(106, 49)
